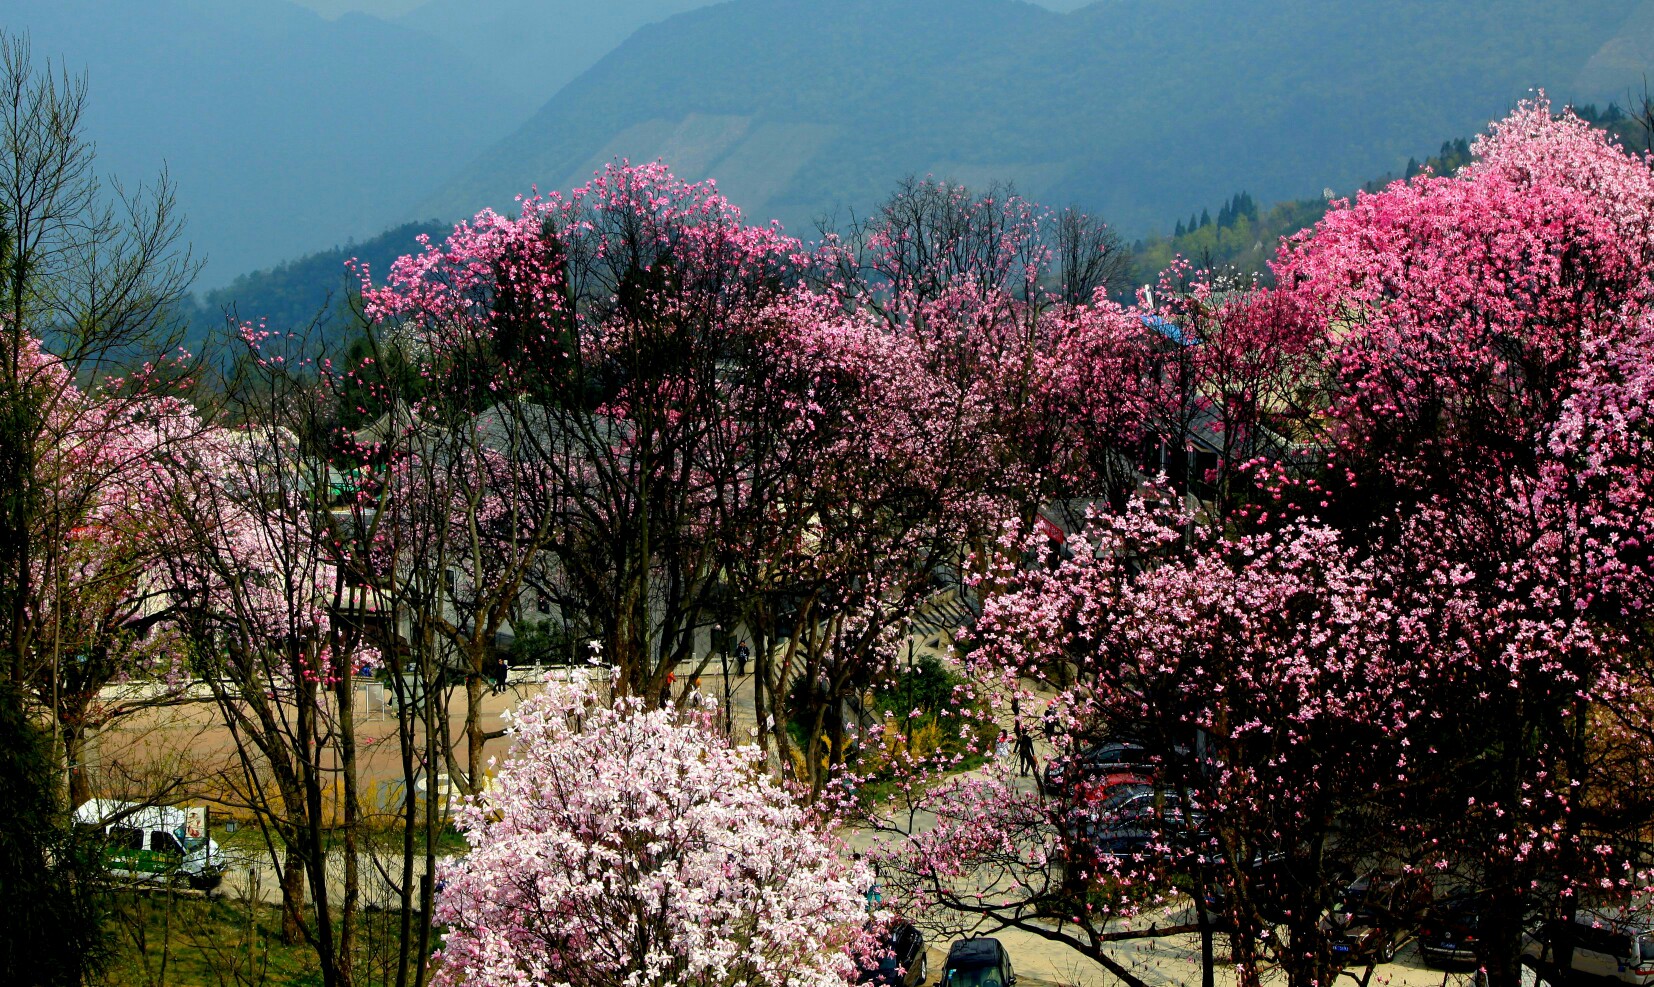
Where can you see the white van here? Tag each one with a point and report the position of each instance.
(155, 842)
(1609, 944)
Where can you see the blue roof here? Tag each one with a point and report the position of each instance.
(1170, 330)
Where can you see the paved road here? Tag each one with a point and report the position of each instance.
(251, 874)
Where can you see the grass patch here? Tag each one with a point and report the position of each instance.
(169, 938)
(164, 937)
(248, 842)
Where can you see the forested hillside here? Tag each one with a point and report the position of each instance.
(1242, 238)
(1133, 109)
(317, 289)
(285, 131)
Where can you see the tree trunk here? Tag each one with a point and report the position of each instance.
(74, 752)
(292, 896)
(472, 782)
(345, 693)
(1203, 918)
(760, 669)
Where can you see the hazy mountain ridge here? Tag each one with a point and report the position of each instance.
(285, 130)
(532, 48)
(1135, 108)
(316, 289)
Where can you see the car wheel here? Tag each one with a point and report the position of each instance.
(1386, 950)
(924, 970)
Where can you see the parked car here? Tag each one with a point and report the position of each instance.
(1128, 820)
(1122, 841)
(1375, 915)
(1118, 757)
(900, 958)
(1269, 880)
(1608, 944)
(1136, 802)
(978, 962)
(1450, 931)
(154, 843)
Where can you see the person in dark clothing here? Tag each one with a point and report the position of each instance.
(1025, 753)
(1048, 723)
(742, 653)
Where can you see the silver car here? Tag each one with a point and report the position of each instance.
(1611, 944)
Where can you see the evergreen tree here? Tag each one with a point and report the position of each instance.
(1205, 219)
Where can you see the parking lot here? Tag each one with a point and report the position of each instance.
(1175, 962)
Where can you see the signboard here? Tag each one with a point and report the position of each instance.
(195, 822)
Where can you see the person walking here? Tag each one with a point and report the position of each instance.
(1002, 749)
(872, 894)
(1025, 753)
(742, 653)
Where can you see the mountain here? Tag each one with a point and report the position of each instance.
(1621, 65)
(283, 130)
(317, 289)
(532, 48)
(1137, 109)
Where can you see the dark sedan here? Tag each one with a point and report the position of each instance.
(1375, 915)
(1450, 932)
(978, 962)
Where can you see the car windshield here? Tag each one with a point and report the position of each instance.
(981, 976)
(1645, 946)
(1128, 795)
(1353, 898)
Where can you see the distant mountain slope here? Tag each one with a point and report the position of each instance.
(1139, 109)
(316, 288)
(1240, 239)
(282, 130)
(1620, 67)
(532, 48)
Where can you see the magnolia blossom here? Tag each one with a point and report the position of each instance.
(622, 845)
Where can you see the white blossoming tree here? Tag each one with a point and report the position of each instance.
(625, 846)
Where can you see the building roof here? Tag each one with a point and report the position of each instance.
(1169, 329)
